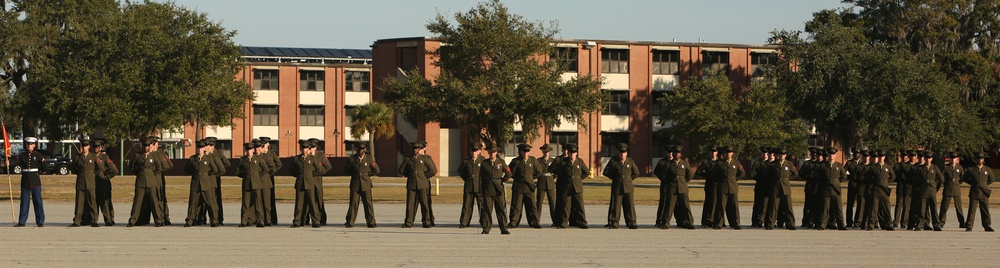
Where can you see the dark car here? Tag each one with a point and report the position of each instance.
(51, 164)
(3, 164)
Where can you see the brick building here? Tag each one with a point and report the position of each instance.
(635, 73)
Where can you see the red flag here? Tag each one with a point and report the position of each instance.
(6, 140)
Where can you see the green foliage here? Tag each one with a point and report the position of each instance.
(127, 71)
(493, 74)
(374, 118)
(706, 112)
(865, 92)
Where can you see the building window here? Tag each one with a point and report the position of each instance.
(609, 142)
(357, 81)
(759, 60)
(568, 58)
(265, 115)
(311, 80)
(321, 148)
(614, 61)
(348, 116)
(666, 62)
(658, 107)
(272, 146)
(226, 147)
(265, 79)
(715, 63)
(511, 148)
(557, 139)
(311, 116)
(617, 104)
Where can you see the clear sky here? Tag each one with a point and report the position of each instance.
(358, 23)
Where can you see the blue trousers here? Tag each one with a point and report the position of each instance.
(36, 197)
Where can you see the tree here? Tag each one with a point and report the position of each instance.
(861, 92)
(494, 74)
(705, 112)
(374, 118)
(133, 70)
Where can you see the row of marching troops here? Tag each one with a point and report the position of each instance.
(557, 179)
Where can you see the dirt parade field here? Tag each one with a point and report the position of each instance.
(57, 245)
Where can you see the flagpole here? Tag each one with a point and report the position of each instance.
(10, 187)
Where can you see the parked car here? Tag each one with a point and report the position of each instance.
(51, 164)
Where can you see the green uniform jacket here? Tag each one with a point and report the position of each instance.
(147, 170)
(674, 176)
(927, 180)
(952, 178)
(524, 172)
(86, 171)
(469, 171)
(980, 179)
(202, 171)
(833, 175)
(902, 171)
(321, 156)
(727, 174)
(306, 170)
(252, 171)
(879, 176)
(361, 169)
(571, 173)
(418, 170)
(622, 173)
(105, 168)
(493, 174)
(781, 174)
(222, 162)
(547, 180)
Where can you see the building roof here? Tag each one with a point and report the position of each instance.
(306, 55)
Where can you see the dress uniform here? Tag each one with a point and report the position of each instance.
(361, 167)
(727, 173)
(622, 171)
(952, 192)
(147, 184)
(31, 185)
(778, 207)
(525, 169)
(306, 169)
(251, 169)
(831, 174)
(979, 177)
(704, 171)
(418, 169)
(571, 171)
(320, 192)
(106, 169)
(164, 160)
(222, 161)
(674, 174)
(203, 170)
(854, 178)
(545, 187)
(469, 171)
(85, 166)
(267, 194)
(928, 178)
(756, 173)
(810, 207)
(492, 173)
(878, 177)
(901, 215)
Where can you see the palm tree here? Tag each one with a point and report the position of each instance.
(374, 118)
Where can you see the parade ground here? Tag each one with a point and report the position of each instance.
(446, 245)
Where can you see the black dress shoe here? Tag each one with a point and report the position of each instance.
(95, 225)
(214, 225)
(664, 227)
(187, 225)
(74, 225)
(937, 229)
(159, 225)
(485, 232)
(988, 229)
(612, 227)
(790, 227)
(768, 228)
(167, 222)
(584, 226)
(261, 225)
(41, 225)
(536, 226)
(462, 226)
(348, 226)
(407, 226)
(128, 225)
(427, 226)
(372, 225)
(737, 228)
(560, 227)
(968, 229)
(315, 225)
(504, 232)
(842, 228)
(633, 227)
